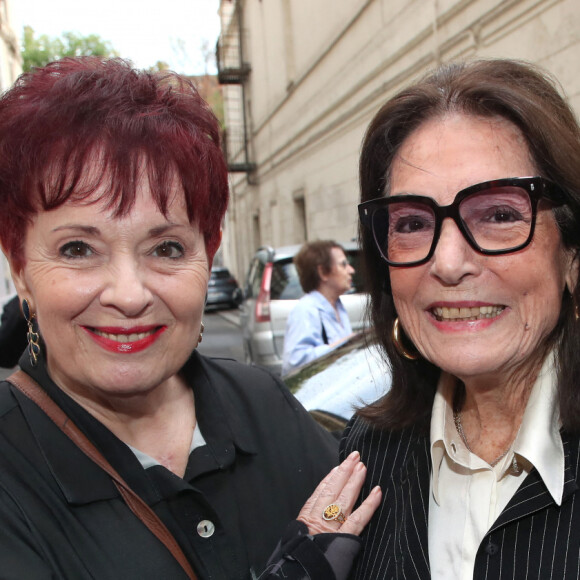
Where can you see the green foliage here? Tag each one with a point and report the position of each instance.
(39, 51)
(159, 66)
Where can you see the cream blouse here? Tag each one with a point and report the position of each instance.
(467, 494)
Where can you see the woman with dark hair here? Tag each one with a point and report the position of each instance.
(470, 215)
(319, 322)
(123, 452)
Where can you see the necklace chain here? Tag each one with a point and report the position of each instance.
(458, 425)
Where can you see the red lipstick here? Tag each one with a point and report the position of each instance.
(122, 344)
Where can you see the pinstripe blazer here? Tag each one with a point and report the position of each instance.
(533, 538)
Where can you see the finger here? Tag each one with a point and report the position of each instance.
(357, 521)
(350, 492)
(330, 487)
(333, 484)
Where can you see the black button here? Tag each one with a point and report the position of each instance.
(492, 549)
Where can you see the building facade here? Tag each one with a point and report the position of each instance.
(10, 68)
(303, 79)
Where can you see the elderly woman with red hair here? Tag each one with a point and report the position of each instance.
(123, 452)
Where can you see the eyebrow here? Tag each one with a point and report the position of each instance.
(88, 230)
(94, 231)
(160, 230)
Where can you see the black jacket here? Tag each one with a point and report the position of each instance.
(13, 329)
(61, 517)
(533, 538)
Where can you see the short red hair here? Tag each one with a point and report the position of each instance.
(57, 119)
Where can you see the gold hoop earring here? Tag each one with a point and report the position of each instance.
(32, 335)
(396, 335)
(201, 329)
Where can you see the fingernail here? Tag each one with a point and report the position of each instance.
(354, 455)
(376, 489)
(359, 466)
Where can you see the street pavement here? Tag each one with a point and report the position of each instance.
(222, 336)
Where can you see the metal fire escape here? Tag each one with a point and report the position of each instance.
(233, 72)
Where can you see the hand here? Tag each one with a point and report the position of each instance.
(341, 487)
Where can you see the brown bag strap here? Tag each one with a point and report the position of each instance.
(33, 391)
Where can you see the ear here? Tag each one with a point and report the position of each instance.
(322, 276)
(20, 283)
(572, 272)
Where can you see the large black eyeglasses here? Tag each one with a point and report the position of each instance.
(495, 217)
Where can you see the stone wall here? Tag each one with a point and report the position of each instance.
(321, 69)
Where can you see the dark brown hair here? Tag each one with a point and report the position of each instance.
(57, 120)
(310, 256)
(524, 95)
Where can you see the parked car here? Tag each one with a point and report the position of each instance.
(271, 290)
(333, 386)
(221, 288)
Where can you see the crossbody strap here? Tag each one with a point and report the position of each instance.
(34, 392)
(324, 335)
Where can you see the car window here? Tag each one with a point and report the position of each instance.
(285, 284)
(355, 260)
(220, 274)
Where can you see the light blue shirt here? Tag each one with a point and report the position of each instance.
(303, 340)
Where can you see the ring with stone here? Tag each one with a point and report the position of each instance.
(333, 512)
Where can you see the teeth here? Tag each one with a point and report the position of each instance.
(123, 337)
(475, 313)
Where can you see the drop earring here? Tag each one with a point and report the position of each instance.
(201, 329)
(32, 335)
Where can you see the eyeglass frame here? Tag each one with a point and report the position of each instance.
(536, 187)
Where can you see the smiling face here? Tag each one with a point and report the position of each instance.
(472, 315)
(118, 300)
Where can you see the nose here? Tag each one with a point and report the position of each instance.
(350, 269)
(454, 258)
(126, 289)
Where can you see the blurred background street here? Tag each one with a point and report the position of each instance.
(222, 335)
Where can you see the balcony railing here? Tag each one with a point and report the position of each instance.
(231, 69)
(233, 72)
(229, 50)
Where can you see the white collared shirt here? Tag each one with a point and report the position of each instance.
(467, 494)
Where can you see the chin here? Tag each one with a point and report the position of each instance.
(468, 364)
(129, 382)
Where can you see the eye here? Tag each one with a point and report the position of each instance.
(76, 249)
(410, 224)
(505, 214)
(410, 218)
(172, 250)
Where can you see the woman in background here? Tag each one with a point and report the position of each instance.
(319, 322)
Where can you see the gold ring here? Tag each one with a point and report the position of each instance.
(333, 512)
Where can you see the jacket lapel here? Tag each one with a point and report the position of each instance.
(533, 495)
